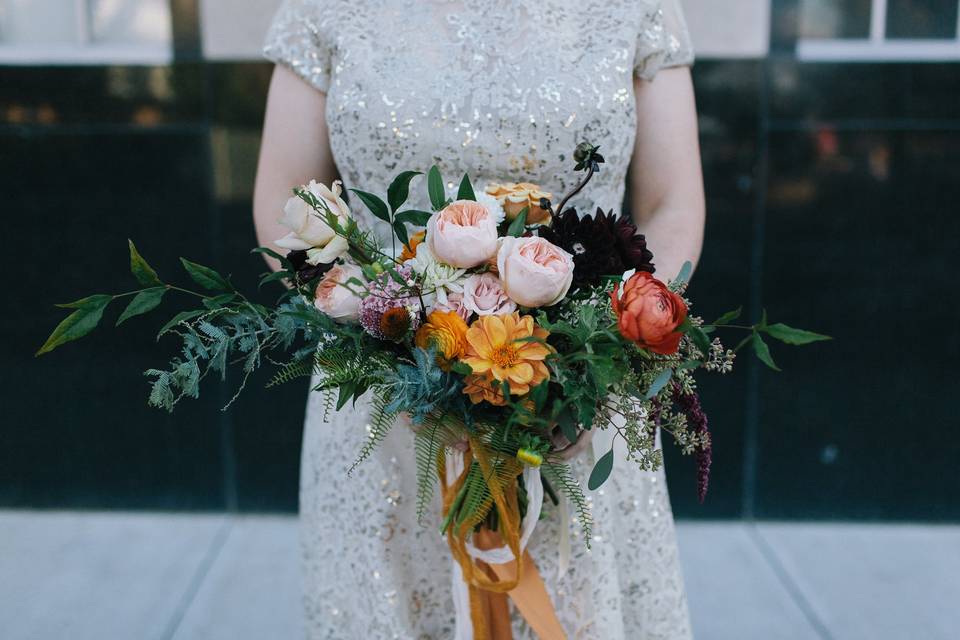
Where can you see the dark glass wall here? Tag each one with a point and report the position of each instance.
(832, 193)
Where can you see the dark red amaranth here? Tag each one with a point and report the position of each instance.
(697, 420)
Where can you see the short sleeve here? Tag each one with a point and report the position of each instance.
(663, 40)
(298, 40)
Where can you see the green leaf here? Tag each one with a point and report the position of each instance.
(519, 224)
(700, 339)
(273, 254)
(567, 421)
(401, 231)
(146, 300)
(690, 364)
(77, 324)
(217, 302)
(438, 195)
(183, 316)
(142, 271)
(539, 396)
(399, 189)
(684, 274)
(601, 471)
(205, 276)
(272, 277)
(790, 335)
(728, 317)
(377, 206)
(763, 352)
(465, 192)
(414, 217)
(659, 383)
(90, 302)
(462, 368)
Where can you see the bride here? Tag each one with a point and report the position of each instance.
(499, 89)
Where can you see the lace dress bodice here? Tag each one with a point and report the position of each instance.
(500, 89)
(503, 90)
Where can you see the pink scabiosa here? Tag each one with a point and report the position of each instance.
(390, 310)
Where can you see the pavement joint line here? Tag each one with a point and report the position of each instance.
(199, 577)
(786, 580)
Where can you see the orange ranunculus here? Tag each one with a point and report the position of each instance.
(410, 249)
(648, 313)
(446, 332)
(496, 353)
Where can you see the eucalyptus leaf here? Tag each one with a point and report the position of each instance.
(763, 352)
(438, 195)
(142, 271)
(145, 301)
(205, 276)
(465, 192)
(376, 206)
(684, 274)
(659, 383)
(399, 189)
(601, 471)
(519, 224)
(78, 324)
(790, 335)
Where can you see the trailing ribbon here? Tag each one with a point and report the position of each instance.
(494, 565)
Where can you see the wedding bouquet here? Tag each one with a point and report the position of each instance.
(505, 328)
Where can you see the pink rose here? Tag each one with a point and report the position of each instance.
(334, 299)
(455, 303)
(534, 272)
(463, 234)
(483, 294)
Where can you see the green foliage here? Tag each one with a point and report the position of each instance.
(422, 388)
(438, 195)
(789, 335)
(601, 471)
(142, 271)
(519, 224)
(763, 351)
(144, 302)
(465, 192)
(399, 189)
(559, 475)
(382, 420)
(85, 319)
(205, 276)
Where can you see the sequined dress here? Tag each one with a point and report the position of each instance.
(503, 90)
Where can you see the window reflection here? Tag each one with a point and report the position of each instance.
(922, 19)
(145, 22)
(38, 21)
(829, 19)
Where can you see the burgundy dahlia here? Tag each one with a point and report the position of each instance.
(305, 271)
(603, 244)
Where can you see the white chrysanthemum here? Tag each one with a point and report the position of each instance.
(492, 205)
(438, 278)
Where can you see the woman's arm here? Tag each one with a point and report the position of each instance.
(295, 149)
(666, 180)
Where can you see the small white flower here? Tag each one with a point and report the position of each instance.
(623, 280)
(492, 205)
(439, 279)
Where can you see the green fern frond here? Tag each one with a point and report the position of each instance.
(381, 421)
(559, 475)
(292, 371)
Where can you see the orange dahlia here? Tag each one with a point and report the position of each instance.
(497, 352)
(446, 332)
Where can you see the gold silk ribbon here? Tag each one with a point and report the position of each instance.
(489, 585)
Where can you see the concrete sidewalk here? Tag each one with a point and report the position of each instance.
(106, 576)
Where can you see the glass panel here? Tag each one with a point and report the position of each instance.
(38, 22)
(141, 22)
(828, 19)
(935, 19)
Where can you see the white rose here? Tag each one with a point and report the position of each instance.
(309, 231)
